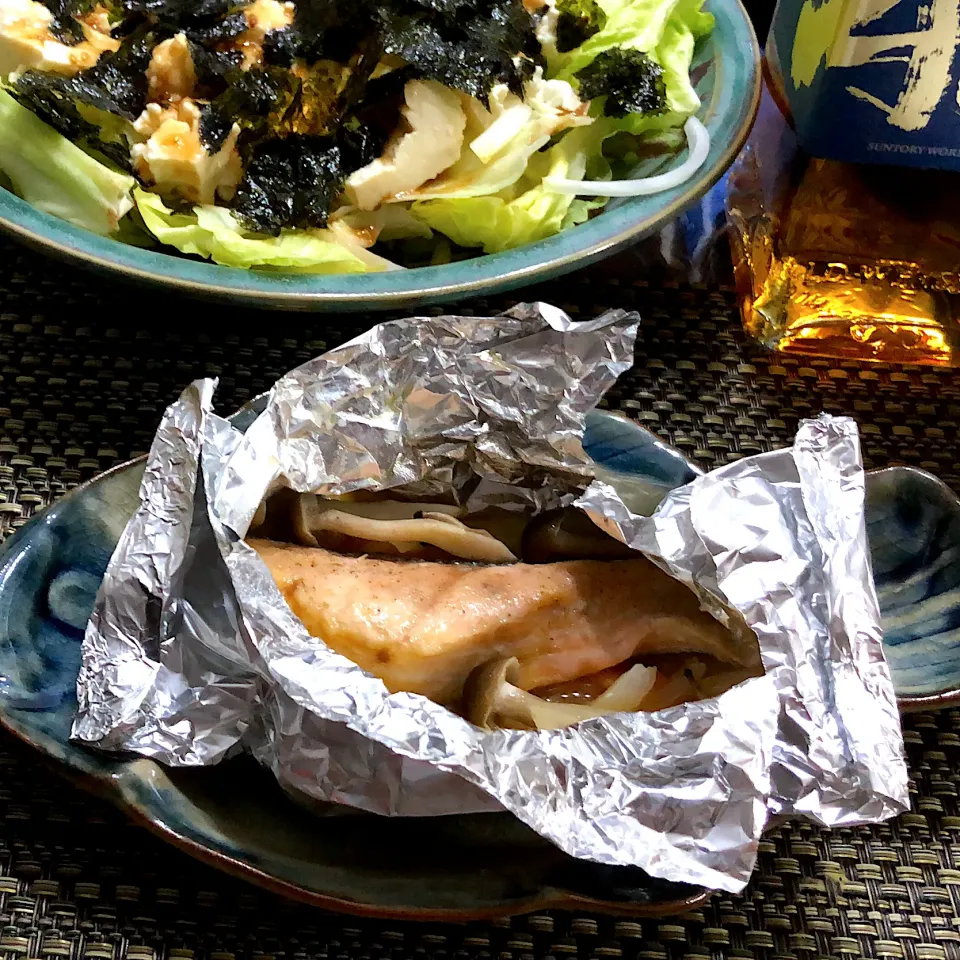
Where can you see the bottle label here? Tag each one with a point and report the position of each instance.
(871, 81)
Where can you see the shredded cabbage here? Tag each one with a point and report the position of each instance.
(502, 222)
(56, 176)
(499, 143)
(215, 234)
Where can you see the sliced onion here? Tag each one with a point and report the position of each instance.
(628, 691)
(698, 140)
(492, 699)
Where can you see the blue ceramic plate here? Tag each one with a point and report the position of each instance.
(727, 77)
(913, 524)
(235, 816)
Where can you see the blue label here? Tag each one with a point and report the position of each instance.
(873, 80)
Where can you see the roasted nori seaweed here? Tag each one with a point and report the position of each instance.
(290, 183)
(115, 85)
(630, 80)
(577, 21)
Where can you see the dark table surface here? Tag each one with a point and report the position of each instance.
(86, 367)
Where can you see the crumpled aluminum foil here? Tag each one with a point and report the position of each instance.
(192, 655)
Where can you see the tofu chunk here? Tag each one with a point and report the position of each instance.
(173, 158)
(171, 74)
(435, 122)
(27, 42)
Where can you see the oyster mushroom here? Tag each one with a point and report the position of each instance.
(405, 526)
(492, 699)
(569, 535)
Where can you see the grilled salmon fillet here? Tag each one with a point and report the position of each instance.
(424, 627)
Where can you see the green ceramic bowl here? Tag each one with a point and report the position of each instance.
(727, 77)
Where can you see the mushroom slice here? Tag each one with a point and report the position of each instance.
(308, 510)
(569, 535)
(405, 526)
(493, 699)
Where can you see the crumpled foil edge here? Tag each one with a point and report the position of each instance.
(192, 654)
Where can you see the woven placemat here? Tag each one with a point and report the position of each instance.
(87, 366)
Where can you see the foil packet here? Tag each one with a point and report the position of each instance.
(192, 655)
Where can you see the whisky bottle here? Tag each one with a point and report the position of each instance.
(844, 206)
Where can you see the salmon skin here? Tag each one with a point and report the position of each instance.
(424, 627)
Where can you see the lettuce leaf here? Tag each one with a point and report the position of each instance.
(499, 143)
(392, 221)
(531, 212)
(214, 233)
(674, 53)
(56, 176)
(668, 31)
(691, 13)
(630, 25)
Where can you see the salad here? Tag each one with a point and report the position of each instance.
(341, 136)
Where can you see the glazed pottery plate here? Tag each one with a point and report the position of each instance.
(727, 78)
(236, 817)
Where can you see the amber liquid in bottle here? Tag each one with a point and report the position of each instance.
(845, 260)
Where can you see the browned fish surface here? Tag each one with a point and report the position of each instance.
(423, 627)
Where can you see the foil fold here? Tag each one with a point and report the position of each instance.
(192, 654)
